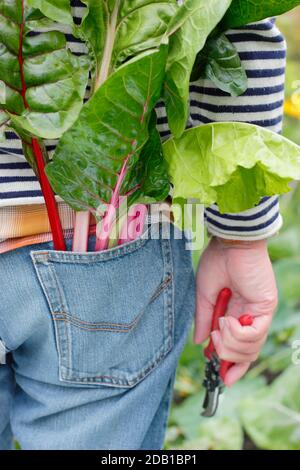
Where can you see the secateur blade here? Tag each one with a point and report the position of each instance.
(216, 369)
(213, 386)
(213, 383)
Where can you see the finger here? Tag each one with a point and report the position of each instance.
(232, 343)
(203, 319)
(253, 333)
(227, 354)
(235, 373)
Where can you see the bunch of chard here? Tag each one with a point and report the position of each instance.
(109, 149)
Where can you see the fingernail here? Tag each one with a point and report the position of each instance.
(222, 322)
(215, 337)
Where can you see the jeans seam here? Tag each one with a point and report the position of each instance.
(169, 269)
(64, 345)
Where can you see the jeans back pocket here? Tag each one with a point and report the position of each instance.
(112, 311)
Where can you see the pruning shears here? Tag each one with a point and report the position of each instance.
(215, 370)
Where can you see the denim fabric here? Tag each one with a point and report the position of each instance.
(94, 339)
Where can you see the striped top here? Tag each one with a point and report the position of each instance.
(263, 51)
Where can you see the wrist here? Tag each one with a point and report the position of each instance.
(242, 244)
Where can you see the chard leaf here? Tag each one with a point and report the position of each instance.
(116, 31)
(44, 83)
(232, 164)
(242, 12)
(57, 10)
(220, 62)
(188, 32)
(142, 25)
(93, 31)
(111, 130)
(53, 105)
(150, 174)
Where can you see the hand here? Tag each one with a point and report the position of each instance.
(245, 268)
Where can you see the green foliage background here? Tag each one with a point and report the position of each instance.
(262, 410)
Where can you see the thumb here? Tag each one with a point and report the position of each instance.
(203, 319)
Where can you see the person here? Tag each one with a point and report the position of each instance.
(91, 341)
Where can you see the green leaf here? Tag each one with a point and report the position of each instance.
(44, 83)
(150, 173)
(141, 26)
(232, 164)
(220, 62)
(112, 128)
(54, 106)
(57, 10)
(120, 30)
(272, 415)
(93, 31)
(188, 32)
(242, 12)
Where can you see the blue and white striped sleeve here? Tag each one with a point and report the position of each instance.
(262, 49)
(258, 223)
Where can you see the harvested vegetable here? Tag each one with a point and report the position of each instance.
(242, 12)
(231, 164)
(109, 148)
(43, 86)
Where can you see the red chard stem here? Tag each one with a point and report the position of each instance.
(55, 224)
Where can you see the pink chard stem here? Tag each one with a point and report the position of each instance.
(81, 232)
(107, 222)
(134, 224)
(102, 241)
(81, 229)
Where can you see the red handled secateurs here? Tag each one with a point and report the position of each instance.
(216, 370)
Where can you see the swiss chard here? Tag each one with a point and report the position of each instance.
(231, 164)
(44, 85)
(119, 30)
(110, 132)
(127, 29)
(242, 12)
(188, 32)
(219, 61)
(95, 158)
(114, 33)
(139, 52)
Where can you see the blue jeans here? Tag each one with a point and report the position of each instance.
(93, 342)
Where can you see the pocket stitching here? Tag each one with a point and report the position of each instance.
(64, 347)
(103, 326)
(112, 379)
(66, 372)
(127, 383)
(68, 257)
